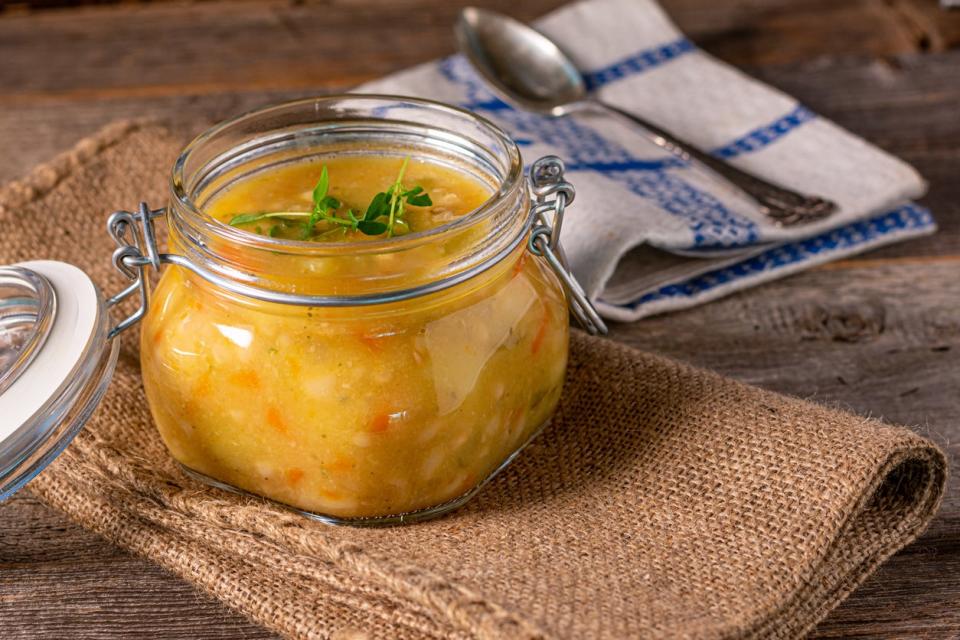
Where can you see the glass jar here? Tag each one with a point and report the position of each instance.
(358, 382)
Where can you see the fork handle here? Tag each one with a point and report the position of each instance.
(784, 206)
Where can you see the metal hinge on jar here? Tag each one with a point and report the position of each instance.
(552, 194)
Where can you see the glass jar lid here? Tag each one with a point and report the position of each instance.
(27, 306)
(55, 364)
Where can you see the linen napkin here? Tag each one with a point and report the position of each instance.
(662, 502)
(637, 204)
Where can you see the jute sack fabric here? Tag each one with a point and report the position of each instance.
(662, 502)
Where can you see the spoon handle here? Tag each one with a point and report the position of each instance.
(784, 206)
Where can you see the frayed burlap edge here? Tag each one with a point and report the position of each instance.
(46, 176)
(825, 590)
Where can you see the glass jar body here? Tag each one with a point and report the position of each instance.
(356, 413)
(368, 382)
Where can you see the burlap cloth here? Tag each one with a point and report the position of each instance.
(663, 502)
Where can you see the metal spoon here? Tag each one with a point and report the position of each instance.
(528, 69)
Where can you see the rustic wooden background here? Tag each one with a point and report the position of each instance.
(878, 334)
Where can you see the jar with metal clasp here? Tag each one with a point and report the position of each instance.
(368, 382)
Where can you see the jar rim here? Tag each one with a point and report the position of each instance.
(507, 184)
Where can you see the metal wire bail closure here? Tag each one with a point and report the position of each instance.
(137, 252)
(551, 195)
(130, 260)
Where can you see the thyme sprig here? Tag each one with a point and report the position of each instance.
(389, 205)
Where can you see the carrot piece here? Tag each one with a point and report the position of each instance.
(541, 332)
(340, 463)
(380, 423)
(202, 388)
(372, 342)
(514, 421)
(247, 378)
(293, 367)
(294, 476)
(376, 336)
(275, 420)
(518, 265)
(204, 385)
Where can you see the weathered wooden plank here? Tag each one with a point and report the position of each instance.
(39, 131)
(60, 581)
(817, 28)
(902, 103)
(751, 33)
(935, 28)
(885, 341)
(170, 48)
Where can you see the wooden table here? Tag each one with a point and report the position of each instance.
(878, 334)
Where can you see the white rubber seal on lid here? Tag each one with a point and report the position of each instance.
(75, 323)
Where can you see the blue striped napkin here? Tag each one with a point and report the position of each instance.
(650, 233)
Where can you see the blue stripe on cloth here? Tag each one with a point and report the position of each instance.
(767, 134)
(583, 148)
(752, 141)
(907, 217)
(492, 104)
(628, 164)
(711, 223)
(637, 63)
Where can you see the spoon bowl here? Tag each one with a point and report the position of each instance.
(522, 64)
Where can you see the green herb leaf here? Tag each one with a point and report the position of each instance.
(332, 232)
(371, 227)
(422, 200)
(377, 207)
(386, 204)
(246, 218)
(320, 191)
(308, 226)
(322, 204)
(396, 197)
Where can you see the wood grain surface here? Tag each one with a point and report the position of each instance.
(878, 334)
